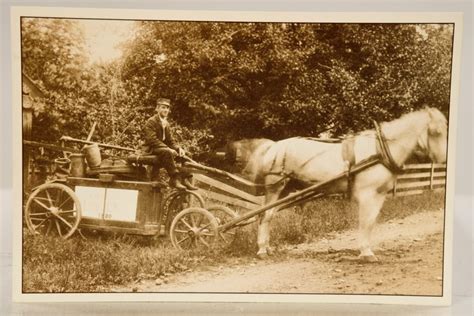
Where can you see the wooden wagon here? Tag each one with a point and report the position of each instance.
(117, 197)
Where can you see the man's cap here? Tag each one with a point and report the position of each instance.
(163, 101)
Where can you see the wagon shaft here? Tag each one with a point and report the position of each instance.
(304, 195)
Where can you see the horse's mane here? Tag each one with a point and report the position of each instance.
(409, 122)
(413, 121)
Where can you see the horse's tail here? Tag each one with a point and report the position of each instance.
(253, 169)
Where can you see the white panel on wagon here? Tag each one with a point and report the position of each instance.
(106, 203)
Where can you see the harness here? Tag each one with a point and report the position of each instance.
(348, 156)
(283, 173)
(383, 151)
(382, 148)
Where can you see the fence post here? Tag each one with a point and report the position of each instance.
(431, 176)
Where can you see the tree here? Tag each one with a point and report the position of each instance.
(54, 56)
(78, 93)
(279, 80)
(238, 80)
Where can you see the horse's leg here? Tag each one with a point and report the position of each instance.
(369, 202)
(263, 235)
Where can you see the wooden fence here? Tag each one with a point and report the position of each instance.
(418, 178)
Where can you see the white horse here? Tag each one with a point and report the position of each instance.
(313, 162)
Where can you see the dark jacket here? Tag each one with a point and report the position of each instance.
(153, 134)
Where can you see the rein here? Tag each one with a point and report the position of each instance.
(386, 155)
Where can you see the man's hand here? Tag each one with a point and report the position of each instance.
(181, 152)
(174, 152)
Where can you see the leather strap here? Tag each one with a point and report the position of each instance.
(348, 151)
(348, 156)
(384, 150)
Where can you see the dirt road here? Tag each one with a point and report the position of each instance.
(409, 250)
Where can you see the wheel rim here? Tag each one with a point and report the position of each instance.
(179, 201)
(194, 228)
(223, 215)
(53, 209)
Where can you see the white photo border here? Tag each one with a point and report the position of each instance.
(231, 16)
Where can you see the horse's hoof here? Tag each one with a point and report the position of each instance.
(270, 251)
(262, 256)
(368, 258)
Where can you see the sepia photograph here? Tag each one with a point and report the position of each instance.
(235, 156)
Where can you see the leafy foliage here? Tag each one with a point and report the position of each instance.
(78, 93)
(239, 80)
(53, 55)
(280, 80)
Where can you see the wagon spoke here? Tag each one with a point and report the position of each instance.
(67, 211)
(200, 220)
(39, 214)
(41, 223)
(58, 227)
(186, 223)
(41, 198)
(193, 220)
(185, 238)
(64, 221)
(203, 241)
(64, 202)
(204, 227)
(41, 204)
(58, 198)
(207, 234)
(181, 231)
(38, 219)
(49, 197)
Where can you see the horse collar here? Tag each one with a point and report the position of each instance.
(386, 155)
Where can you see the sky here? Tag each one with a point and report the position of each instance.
(104, 36)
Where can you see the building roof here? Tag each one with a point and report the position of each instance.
(32, 88)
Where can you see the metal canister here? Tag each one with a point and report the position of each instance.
(78, 165)
(93, 157)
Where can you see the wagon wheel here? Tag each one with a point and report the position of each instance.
(194, 228)
(53, 207)
(223, 214)
(178, 201)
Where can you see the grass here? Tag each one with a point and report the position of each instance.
(51, 264)
(322, 216)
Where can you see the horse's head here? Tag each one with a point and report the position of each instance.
(435, 141)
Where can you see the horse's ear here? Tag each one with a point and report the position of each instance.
(434, 129)
(437, 124)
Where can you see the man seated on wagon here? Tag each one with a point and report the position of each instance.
(159, 138)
